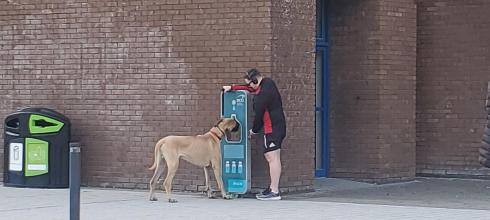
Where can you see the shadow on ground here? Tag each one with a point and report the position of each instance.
(426, 192)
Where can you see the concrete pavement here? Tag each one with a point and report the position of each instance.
(450, 193)
(333, 199)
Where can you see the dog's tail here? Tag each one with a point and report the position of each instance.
(157, 156)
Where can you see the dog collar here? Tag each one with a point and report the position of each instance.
(215, 135)
(222, 132)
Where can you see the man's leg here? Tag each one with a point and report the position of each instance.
(274, 160)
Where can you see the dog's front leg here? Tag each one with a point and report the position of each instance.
(219, 179)
(208, 187)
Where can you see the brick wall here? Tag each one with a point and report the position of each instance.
(129, 72)
(453, 68)
(372, 89)
(293, 44)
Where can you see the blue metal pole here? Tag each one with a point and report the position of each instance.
(74, 181)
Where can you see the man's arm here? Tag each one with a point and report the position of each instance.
(242, 87)
(261, 102)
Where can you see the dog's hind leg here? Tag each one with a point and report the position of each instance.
(158, 168)
(154, 180)
(172, 166)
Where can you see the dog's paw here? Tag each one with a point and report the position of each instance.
(172, 200)
(153, 198)
(230, 196)
(211, 195)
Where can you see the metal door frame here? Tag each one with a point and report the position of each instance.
(322, 44)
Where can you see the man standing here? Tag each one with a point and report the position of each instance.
(269, 117)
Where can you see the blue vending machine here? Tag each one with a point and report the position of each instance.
(235, 148)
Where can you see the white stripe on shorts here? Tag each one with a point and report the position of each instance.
(265, 142)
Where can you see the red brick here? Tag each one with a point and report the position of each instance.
(129, 73)
(452, 76)
(372, 90)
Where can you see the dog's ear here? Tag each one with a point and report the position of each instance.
(220, 120)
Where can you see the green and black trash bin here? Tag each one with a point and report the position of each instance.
(36, 149)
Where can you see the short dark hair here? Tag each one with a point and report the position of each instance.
(252, 74)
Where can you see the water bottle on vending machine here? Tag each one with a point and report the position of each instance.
(227, 167)
(233, 167)
(240, 167)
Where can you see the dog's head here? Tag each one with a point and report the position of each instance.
(228, 124)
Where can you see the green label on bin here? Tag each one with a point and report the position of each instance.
(40, 124)
(36, 154)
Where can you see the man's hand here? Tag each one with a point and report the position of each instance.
(226, 88)
(250, 133)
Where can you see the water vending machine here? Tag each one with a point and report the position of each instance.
(235, 148)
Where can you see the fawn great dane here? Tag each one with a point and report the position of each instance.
(201, 150)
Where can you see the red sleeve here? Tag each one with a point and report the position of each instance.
(261, 103)
(242, 87)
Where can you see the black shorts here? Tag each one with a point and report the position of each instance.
(271, 144)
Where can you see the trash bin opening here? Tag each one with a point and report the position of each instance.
(14, 123)
(42, 123)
